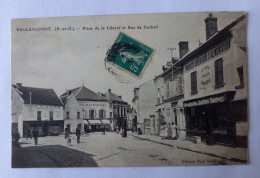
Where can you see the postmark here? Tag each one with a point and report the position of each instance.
(129, 55)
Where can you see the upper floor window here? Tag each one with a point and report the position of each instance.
(167, 90)
(91, 114)
(67, 115)
(241, 77)
(102, 114)
(193, 77)
(78, 115)
(219, 72)
(39, 115)
(51, 115)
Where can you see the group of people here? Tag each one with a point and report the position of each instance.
(67, 135)
(169, 131)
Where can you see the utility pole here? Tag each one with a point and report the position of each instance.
(30, 93)
(171, 49)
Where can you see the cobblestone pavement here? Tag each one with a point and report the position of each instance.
(105, 150)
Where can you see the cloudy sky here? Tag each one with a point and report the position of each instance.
(65, 59)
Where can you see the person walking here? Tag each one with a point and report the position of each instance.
(35, 135)
(169, 132)
(78, 134)
(174, 131)
(29, 134)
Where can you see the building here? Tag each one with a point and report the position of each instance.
(216, 85)
(173, 94)
(85, 109)
(117, 109)
(144, 104)
(36, 107)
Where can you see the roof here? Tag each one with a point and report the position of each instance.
(41, 96)
(83, 93)
(113, 97)
(215, 39)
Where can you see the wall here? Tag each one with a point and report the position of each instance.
(147, 101)
(94, 105)
(72, 106)
(17, 105)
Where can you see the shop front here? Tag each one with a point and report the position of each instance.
(45, 128)
(211, 119)
(93, 125)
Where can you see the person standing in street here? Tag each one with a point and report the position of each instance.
(29, 134)
(35, 135)
(78, 134)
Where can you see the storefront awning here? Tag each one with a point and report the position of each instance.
(93, 122)
(105, 121)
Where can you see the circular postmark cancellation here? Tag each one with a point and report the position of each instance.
(127, 55)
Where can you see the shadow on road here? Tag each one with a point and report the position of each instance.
(50, 156)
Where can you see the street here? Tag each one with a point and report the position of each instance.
(105, 150)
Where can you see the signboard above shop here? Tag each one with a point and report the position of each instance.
(213, 99)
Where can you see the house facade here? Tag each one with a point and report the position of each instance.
(144, 103)
(85, 109)
(117, 109)
(215, 85)
(36, 107)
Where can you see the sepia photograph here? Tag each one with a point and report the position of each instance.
(162, 89)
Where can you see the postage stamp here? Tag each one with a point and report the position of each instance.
(129, 54)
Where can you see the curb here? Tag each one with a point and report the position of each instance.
(195, 151)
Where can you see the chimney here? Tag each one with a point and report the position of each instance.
(109, 91)
(211, 26)
(19, 84)
(183, 48)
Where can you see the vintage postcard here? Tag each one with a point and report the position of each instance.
(130, 90)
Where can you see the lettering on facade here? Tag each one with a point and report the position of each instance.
(205, 76)
(210, 100)
(210, 54)
(93, 104)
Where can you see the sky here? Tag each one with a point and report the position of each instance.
(68, 59)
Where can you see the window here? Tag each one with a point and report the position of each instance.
(111, 114)
(51, 115)
(219, 72)
(167, 90)
(102, 114)
(193, 77)
(92, 114)
(241, 75)
(39, 115)
(78, 115)
(67, 115)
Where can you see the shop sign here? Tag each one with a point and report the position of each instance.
(93, 104)
(205, 75)
(205, 101)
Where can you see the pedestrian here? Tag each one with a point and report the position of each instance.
(66, 133)
(139, 129)
(104, 130)
(67, 136)
(78, 134)
(35, 135)
(174, 131)
(169, 132)
(16, 137)
(29, 134)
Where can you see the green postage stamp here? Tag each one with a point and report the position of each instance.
(129, 54)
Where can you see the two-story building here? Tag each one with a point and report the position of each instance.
(216, 85)
(85, 109)
(117, 109)
(173, 96)
(36, 107)
(144, 102)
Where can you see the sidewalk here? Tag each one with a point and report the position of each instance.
(230, 153)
